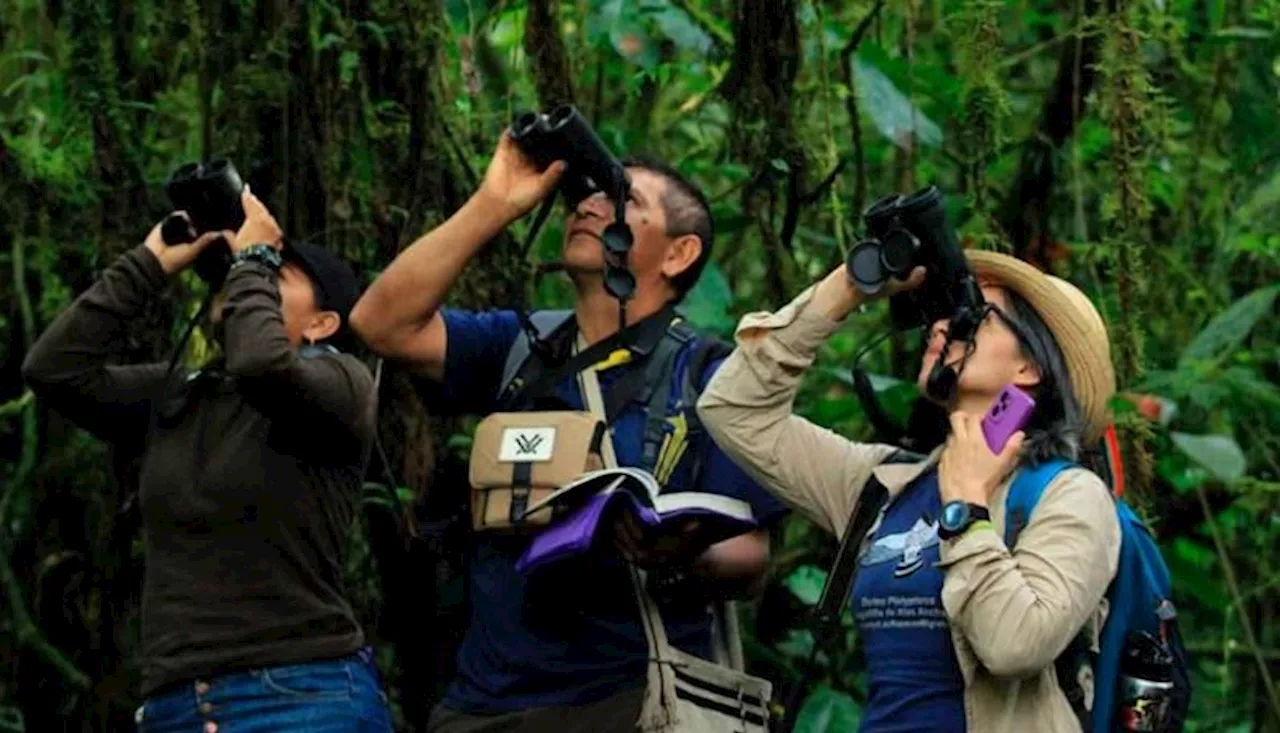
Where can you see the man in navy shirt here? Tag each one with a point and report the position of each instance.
(569, 655)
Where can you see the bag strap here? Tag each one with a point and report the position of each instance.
(519, 366)
(703, 353)
(835, 592)
(658, 373)
(660, 692)
(533, 377)
(1025, 492)
(589, 382)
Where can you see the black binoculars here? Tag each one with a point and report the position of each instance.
(904, 232)
(209, 193)
(564, 134)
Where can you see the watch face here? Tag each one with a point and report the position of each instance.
(954, 515)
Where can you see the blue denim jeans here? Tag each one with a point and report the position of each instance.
(334, 696)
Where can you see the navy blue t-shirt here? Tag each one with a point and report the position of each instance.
(576, 637)
(914, 681)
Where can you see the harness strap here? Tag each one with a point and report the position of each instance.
(522, 360)
(525, 374)
(658, 374)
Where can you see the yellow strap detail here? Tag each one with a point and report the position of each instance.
(616, 358)
(672, 447)
(980, 524)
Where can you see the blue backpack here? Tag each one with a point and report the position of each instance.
(1141, 611)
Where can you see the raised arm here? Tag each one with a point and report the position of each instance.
(332, 390)
(747, 407)
(68, 366)
(398, 316)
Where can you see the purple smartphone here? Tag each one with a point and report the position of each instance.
(1009, 412)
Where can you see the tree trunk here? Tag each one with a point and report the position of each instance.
(759, 88)
(544, 44)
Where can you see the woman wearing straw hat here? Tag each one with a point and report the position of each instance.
(961, 633)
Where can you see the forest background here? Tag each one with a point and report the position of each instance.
(1126, 144)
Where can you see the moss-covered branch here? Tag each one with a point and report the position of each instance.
(1126, 105)
(548, 57)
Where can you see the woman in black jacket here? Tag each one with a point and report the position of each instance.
(251, 471)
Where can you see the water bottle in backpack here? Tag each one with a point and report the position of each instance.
(1146, 684)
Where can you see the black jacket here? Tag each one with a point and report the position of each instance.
(250, 477)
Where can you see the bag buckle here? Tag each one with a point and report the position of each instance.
(519, 504)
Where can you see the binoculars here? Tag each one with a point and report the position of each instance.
(904, 232)
(209, 193)
(564, 134)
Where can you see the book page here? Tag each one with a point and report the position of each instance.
(635, 481)
(720, 504)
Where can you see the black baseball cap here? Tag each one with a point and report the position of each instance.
(336, 284)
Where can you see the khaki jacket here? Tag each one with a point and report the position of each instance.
(1011, 613)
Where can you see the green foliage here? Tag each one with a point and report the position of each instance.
(1225, 333)
(362, 125)
(828, 711)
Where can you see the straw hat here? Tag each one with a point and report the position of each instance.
(1076, 326)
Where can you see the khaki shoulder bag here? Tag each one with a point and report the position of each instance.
(685, 693)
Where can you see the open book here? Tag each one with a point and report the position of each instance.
(598, 496)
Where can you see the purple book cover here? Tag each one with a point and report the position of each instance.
(575, 533)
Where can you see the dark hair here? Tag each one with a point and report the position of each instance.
(1055, 428)
(687, 211)
(344, 339)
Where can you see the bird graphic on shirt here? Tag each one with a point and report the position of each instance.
(920, 535)
(905, 547)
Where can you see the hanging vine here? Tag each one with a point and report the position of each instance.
(985, 107)
(759, 86)
(1126, 109)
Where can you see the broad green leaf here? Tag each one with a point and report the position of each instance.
(893, 113)
(828, 711)
(707, 304)
(806, 583)
(680, 28)
(1219, 454)
(1226, 331)
(1179, 471)
(1252, 388)
(799, 643)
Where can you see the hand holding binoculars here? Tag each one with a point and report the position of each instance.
(904, 232)
(209, 193)
(564, 134)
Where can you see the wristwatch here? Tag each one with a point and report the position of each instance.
(957, 516)
(261, 253)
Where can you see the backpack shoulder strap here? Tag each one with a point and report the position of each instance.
(705, 351)
(835, 592)
(518, 364)
(658, 377)
(1028, 486)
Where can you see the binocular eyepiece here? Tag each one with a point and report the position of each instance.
(209, 193)
(564, 134)
(904, 232)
